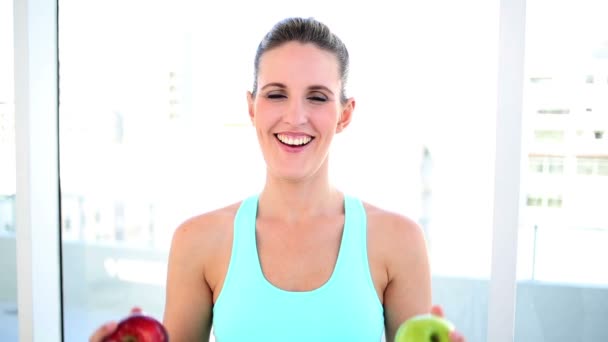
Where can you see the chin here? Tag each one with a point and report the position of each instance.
(293, 178)
(291, 175)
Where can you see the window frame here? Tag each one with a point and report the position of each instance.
(38, 237)
(508, 168)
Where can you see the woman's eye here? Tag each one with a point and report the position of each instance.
(317, 98)
(275, 96)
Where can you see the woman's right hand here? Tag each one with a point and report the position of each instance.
(109, 327)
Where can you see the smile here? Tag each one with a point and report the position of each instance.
(294, 141)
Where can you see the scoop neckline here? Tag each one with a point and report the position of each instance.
(337, 266)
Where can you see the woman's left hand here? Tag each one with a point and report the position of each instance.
(455, 336)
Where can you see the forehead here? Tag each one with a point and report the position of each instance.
(299, 62)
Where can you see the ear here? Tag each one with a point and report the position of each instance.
(250, 101)
(346, 115)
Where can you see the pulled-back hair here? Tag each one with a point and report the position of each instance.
(304, 30)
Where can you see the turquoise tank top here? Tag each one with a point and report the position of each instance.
(346, 308)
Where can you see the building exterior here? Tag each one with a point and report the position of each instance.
(566, 120)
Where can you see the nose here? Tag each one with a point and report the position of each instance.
(296, 113)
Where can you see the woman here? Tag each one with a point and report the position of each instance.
(301, 261)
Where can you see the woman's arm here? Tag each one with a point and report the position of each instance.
(408, 291)
(189, 299)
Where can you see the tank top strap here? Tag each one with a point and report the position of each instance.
(244, 259)
(355, 240)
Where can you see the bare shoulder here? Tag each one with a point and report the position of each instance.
(391, 229)
(206, 233)
(199, 249)
(395, 242)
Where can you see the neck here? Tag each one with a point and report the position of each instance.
(291, 201)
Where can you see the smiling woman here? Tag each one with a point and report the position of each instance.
(301, 260)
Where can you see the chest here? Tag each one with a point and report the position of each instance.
(299, 257)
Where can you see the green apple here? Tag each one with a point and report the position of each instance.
(424, 328)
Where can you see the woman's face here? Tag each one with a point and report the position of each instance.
(297, 109)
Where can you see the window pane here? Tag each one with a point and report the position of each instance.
(154, 129)
(562, 288)
(8, 269)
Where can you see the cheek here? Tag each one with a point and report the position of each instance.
(328, 120)
(266, 113)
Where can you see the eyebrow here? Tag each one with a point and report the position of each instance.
(283, 86)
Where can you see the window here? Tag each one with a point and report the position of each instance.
(536, 164)
(556, 165)
(585, 166)
(540, 79)
(592, 165)
(157, 132)
(554, 202)
(545, 201)
(8, 269)
(602, 167)
(546, 164)
(549, 136)
(554, 111)
(564, 228)
(533, 201)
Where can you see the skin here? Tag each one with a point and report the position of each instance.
(300, 215)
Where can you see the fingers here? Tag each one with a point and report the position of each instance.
(109, 327)
(103, 331)
(136, 310)
(456, 337)
(437, 310)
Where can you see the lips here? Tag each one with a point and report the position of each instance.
(294, 139)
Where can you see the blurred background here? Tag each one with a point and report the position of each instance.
(153, 129)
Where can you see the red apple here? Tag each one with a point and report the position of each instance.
(138, 328)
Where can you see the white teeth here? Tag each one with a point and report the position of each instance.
(294, 141)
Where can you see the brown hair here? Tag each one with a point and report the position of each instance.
(304, 30)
